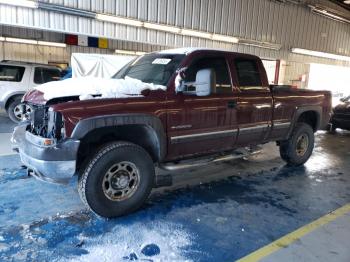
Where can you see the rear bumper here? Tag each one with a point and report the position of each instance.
(56, 164)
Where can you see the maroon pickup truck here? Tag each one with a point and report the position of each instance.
(215, 102)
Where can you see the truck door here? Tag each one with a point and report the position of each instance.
(208, 124)
(255, 101)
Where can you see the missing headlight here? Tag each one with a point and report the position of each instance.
(55, 124)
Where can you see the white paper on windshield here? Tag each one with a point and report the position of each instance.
(161, 61)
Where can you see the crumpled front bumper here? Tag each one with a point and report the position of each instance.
(56, 163)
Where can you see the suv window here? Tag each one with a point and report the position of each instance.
(223, 80)
(11, 73)
(43, 75)
(248, 73)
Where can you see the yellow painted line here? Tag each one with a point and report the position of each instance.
(295, 235)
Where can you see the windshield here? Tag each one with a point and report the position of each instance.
(152, 68)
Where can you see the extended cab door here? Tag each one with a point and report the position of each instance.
(255, 101)
(207, 124)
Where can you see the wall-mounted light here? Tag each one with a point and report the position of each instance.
(320, 54)
(194, 33)
(22, 3)
(224, 38)
(255, 43)
(54, 44)
(21, 41)
(160, 27)
(31, 42)
(329, 13)
(119, 20)
(129, 52)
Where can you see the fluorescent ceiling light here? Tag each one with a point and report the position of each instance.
(129, 52)
(119, 20)
(55, 44)
(21, 41)
(22, 3)
(166, 28)
(320, 54)
(224, 38)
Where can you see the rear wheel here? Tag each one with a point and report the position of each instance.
(14, 110)
(298, 148)
(117, 180)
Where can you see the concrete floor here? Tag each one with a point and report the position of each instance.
(222, 212)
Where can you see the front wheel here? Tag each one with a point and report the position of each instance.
(298, 148)
(14, 110)
(117, 180)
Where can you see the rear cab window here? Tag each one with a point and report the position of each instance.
(219, 65)
(43, 75)
(11, 73)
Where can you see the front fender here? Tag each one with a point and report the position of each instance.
(87, 125)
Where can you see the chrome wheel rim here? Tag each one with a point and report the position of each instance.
(302, 144)
(19, 109)
(121, 181)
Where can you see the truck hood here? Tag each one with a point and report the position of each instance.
(89, 88)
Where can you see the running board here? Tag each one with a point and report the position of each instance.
(185, 164)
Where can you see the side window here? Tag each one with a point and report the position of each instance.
(223, 81)
(11, 73)
(248, 73)
(38, 76)
(43, 75)
(51, 74)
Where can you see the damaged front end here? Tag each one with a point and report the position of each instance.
(43, 147)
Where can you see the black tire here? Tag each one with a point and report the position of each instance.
(92, 182)
(11, 107)
(290, 150)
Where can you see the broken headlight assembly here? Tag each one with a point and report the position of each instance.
(55, 125)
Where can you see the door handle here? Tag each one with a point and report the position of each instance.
(231, 104)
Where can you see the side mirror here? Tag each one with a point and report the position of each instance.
(205, 82)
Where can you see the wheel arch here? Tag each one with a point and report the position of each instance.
(144, 130)
(308, 114)
(11, 97)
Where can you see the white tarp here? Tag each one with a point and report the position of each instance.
(96, 65)
(86, 87)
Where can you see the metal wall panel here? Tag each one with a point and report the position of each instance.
(262, 20)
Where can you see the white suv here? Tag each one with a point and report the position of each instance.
(16, 78)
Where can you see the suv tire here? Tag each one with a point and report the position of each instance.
(298, 148)
(12, 106)
(117, 180)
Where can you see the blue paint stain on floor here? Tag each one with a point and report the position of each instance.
(212, 221)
